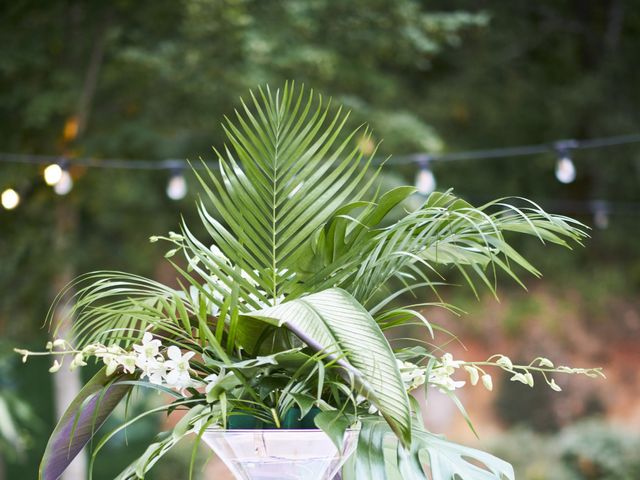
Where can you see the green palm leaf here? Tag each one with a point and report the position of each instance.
(287, 169)
(333, 322)
(446, 231)
(112, 306)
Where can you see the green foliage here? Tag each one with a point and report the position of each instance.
(276, 308)
(333, 321)
(380, 456)
(526, 72)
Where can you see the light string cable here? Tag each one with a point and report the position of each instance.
(566, 145)
(57, 175)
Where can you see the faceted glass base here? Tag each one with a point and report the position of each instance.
(280, 454)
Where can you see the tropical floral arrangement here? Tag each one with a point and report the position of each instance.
(280, 315)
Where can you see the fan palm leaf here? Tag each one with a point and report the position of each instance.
(287, 171)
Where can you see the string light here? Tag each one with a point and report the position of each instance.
(52, 174)
(10, 199)
(177, 185)
(507, 152)
(425, 180)
(65, 184)
(565, 169)
(600, 214)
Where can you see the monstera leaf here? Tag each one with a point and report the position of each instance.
(332, 321)
(379, 457)
(80, 421)
(450, 461)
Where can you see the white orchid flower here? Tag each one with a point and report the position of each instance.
(148, 351)
(178, 366)
(155, 370)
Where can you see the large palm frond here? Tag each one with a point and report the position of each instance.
(332, 321)
(361, 256)
(111, 306)
(287, 170)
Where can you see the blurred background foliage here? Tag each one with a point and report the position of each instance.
(152, 80)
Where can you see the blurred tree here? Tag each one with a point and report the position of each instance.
(544, 71)
(442, 75)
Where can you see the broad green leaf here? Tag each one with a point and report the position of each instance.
(88, 411)
(305, 403)
(450, 461)
(334, 423)
(333, 322)
(430, 456)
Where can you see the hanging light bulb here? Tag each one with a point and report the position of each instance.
(64, 184)
(10, 199)
(425, 180)
(600, 214)
(177, 186)
(52, 174)
(565, 169)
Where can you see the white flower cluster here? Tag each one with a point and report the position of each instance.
(412, 375)
(172, 371)
(440, 375)
(522, 373)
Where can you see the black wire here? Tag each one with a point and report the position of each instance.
(576, 207)
(107, 163)
(519, 151)
(418, 158)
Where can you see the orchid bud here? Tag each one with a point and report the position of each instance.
(554, 385)
(55, 367)
(487, 381)
(545, 362)
(505, 362)
(473, 374)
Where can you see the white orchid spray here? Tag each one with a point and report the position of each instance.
(149, 360)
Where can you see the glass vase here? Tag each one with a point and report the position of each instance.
(280, 454)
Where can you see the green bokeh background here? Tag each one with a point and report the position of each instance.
(153, 80)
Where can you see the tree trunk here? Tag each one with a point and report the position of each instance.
(67, 384)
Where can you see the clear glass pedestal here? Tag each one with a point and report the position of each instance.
(280, 454)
